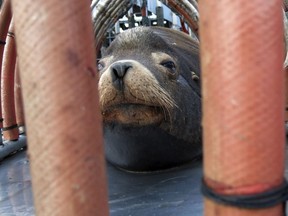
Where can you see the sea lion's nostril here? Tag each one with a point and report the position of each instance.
(118, 71)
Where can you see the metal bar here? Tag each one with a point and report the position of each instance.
(58, 72)
(144, 13)
(160, 16)
(105, 13)
(243, 100)
(19, 101)
(10, 127)
(5, 18)
(186, 9)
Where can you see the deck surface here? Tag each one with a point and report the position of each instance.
(170, 193)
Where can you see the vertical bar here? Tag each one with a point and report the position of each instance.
(19, 101)
(131, 19)
(144, 13)
(243, 99)
(10, 127)
(5, 18)
(160, 16)
(58, 74)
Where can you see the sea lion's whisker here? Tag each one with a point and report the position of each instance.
(143, 95)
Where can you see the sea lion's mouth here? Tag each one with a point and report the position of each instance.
(133, 114)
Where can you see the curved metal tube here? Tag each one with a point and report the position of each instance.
(105, 13)
(10, 127)
(243, 100)
(19, 101)
(186, 8)
(58, 75)
(5, 18)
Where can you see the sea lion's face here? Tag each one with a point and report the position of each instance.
(149, 100)
(131, 94)
(131, 86)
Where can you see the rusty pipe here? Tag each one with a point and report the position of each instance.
(10, 127)
(243, 100)
(58, 73)
(143, 8)
(5, 18)
(20, 119)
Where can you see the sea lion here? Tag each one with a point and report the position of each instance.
(150, 99)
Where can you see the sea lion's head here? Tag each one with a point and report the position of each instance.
(150, 99)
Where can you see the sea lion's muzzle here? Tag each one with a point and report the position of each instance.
(118, 71)
(131, 95)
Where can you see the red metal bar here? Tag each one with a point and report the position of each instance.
(243, 100)
(183, 27)
(5, 18)
(144, 9)
(10, 127)
(19, 101)
(58, 74)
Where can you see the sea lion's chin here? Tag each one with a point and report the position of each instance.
(133, 114)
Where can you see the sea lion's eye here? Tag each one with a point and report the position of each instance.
(170, 65)
(100, 65)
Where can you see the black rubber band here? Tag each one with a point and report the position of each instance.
(266, 199)
(1, 119)
(2, 42)
(10, 127)
(11, 34)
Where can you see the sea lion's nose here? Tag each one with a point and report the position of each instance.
(118, 71)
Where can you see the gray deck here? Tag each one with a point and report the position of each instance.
(170, 193)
